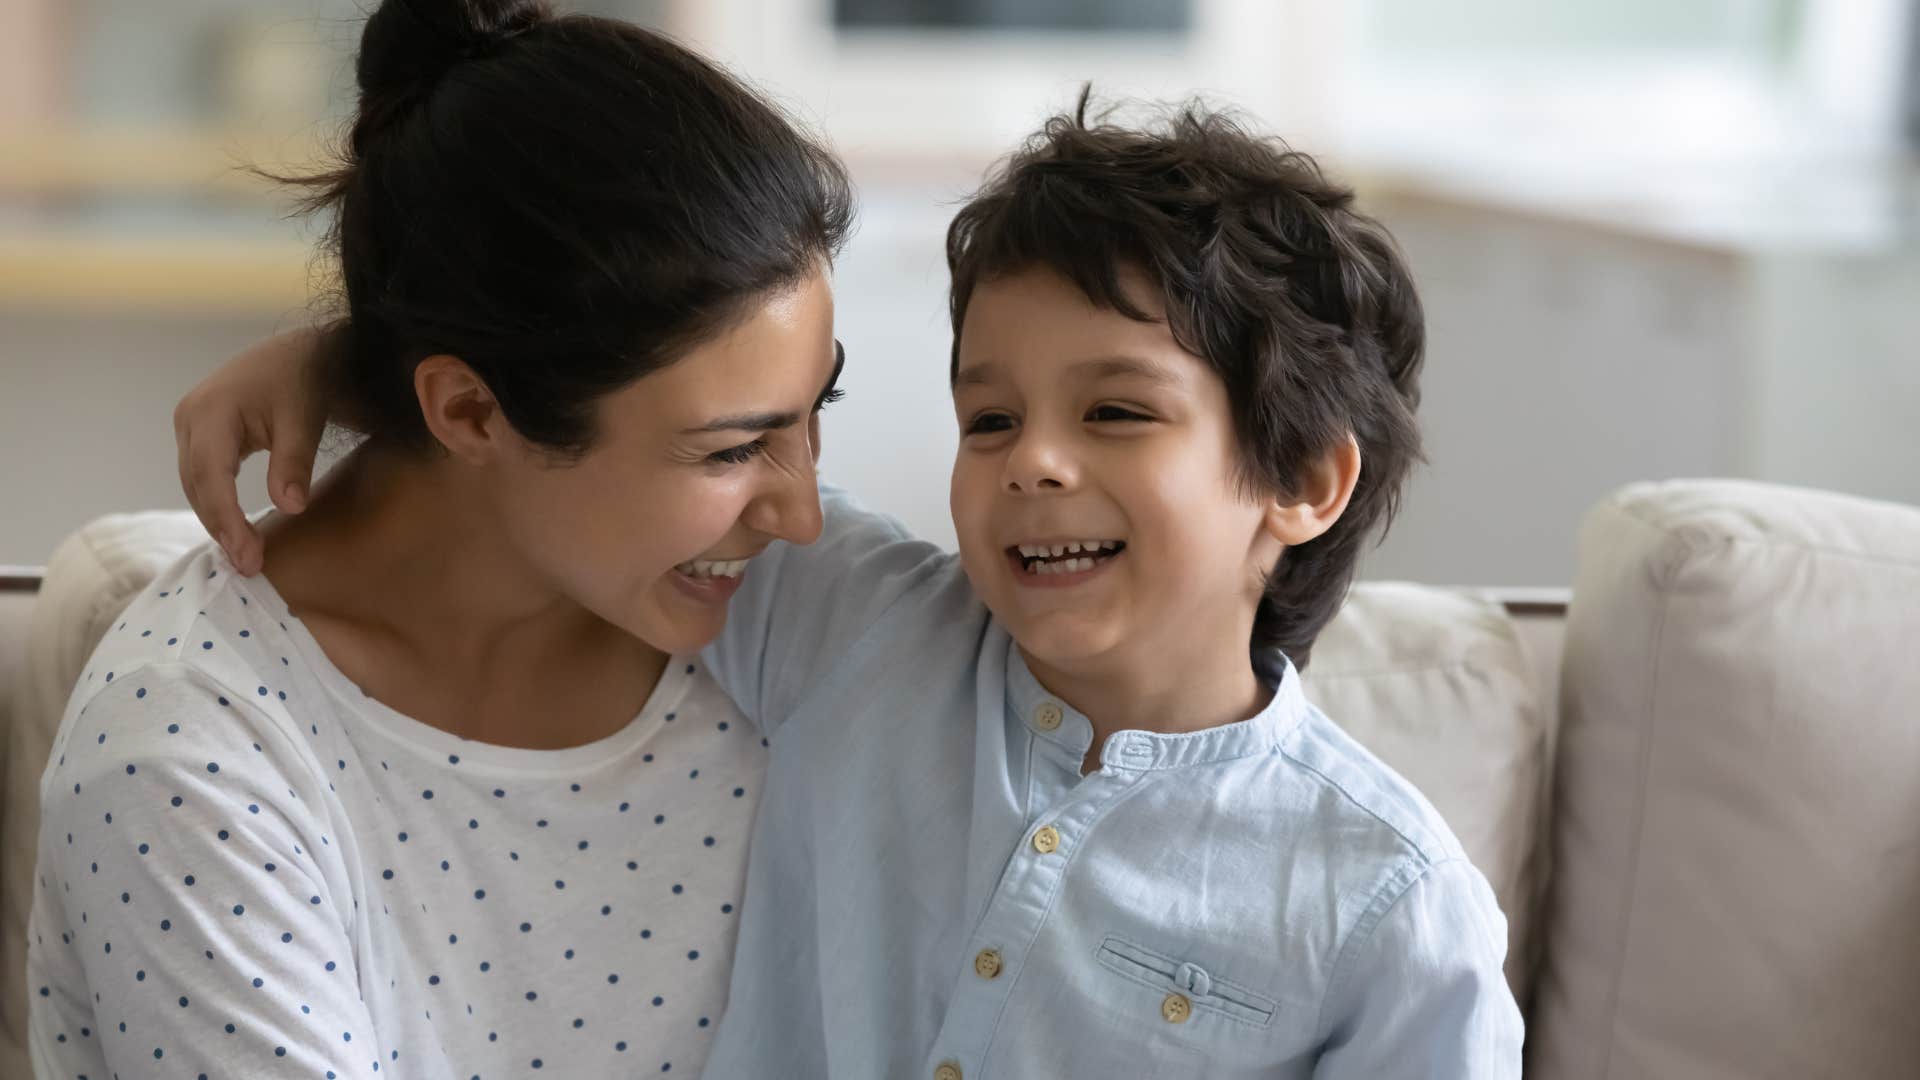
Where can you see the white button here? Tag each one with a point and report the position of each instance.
(1048, 716)
(1047, 840)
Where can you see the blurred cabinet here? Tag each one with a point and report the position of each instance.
(1565, 359)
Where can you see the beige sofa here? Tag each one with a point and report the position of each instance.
(1696, 789)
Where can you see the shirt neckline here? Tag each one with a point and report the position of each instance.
(667, 694)
(1145, 750)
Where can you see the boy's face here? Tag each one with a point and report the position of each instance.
(1080, 426)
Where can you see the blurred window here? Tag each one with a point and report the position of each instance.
(1077, 15)
(1759, 32)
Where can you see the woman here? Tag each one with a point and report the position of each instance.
(439, 793)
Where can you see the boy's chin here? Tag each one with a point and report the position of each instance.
(1064, 641)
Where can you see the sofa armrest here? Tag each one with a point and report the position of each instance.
(1737, 829)
(89, 578)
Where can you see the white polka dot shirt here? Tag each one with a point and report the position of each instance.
(249, 868)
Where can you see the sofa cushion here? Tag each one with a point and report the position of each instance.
(1737, 829)
(1436, 683)
(90, 578)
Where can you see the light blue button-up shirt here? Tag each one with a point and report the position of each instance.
(933, 882)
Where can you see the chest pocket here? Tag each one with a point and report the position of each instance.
(1202, 993)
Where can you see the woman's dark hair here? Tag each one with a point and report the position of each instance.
(566, 203)
(1301, 304)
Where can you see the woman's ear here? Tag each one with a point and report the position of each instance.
(459, 409)
(1319, 498)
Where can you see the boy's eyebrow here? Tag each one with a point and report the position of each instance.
(977, 375)
(1098, 367)
(1122, 365)
(773, 421)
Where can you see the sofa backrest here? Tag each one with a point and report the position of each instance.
(1441, 685)
(1438, 682)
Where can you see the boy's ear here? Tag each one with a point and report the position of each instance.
(1318, 499)
(459, 409)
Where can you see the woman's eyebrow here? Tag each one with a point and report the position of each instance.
(767, 421)
(773, 421)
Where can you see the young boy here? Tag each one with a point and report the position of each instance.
(1041, 810)
(1057, 807)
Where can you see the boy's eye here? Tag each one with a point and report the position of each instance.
(988, 424)
(739, 455)
(1111, 413)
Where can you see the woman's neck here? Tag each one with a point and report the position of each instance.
(412, 589)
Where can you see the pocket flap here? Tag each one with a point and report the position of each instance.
(1160, 972)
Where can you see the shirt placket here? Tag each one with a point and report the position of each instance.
(1063, 809)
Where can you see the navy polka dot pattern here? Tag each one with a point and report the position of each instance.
(248, 867)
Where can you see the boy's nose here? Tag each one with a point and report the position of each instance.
(1016, 486)
(1036, 465)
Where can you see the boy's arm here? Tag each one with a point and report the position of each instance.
(264, 397)
(801, 609)
(1420, 992)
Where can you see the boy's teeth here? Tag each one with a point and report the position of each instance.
(1058, 558)
(1063, 566)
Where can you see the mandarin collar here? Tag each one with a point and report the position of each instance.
(1141, 750)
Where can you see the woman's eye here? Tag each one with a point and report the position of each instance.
(989, 423)
(829, 398)
(739, 455)
(1111, 413)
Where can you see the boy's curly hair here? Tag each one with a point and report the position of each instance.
(1302, 304)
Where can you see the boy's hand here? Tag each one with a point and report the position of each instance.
(264, 398)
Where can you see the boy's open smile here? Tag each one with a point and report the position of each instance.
(1054, 563)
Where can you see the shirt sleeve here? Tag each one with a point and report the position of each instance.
(801, 609)
(191, 917)
(1422, 993)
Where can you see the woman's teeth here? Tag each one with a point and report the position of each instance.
(708, 568)
(1069, 558)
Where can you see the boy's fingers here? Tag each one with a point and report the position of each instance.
(210, 462)
(295, 439)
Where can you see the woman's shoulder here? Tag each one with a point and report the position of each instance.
(196, 616)
(199, 662)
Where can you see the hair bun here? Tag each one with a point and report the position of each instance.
(409, 44)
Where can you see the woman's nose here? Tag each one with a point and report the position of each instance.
(790, 509)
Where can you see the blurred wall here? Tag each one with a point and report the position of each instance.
(86, 417)
(1600, 311)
